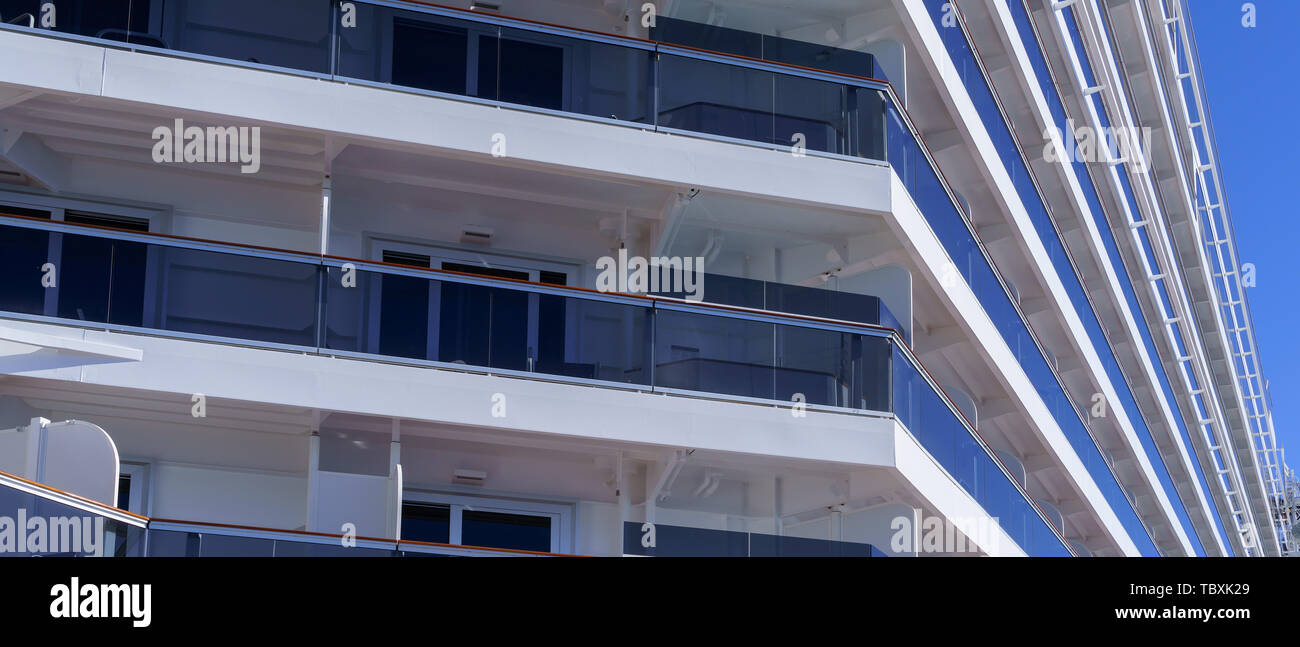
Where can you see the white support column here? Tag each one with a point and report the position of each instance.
(395, 445)
(313, 470)
(778, 510)
(327, 188)
(652, 492)
(395, 483)
(620, 490)
(36, 450)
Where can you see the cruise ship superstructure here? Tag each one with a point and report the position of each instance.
(615, 277)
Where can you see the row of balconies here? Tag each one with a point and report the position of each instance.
(81, 528)
(338, 307)
(641, 83)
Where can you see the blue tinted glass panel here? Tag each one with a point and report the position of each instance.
(431, 523)
(403, 315)
(22, 254)
(716, 98)
(714, 354)
(761, 545)
(426, 54)
(229, 295)
(230, 546)
(683, 541)
(501, 530)
(813, 111)
(311, 549)
(170, 543)
(287, 33)
(593, 339)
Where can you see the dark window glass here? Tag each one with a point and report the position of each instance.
(464, 326)
(404, 316)
(22, 211)
(554, 278)
(102, 220)
(128, 281)
(484, 326)
(108, 19)
(429, 56)
(482, 270)
(22, 253)
(406, 258)
(85, 276)
(424, 522)
(101, 18)
(104, 279)
(415, 50)
(11, 9)
(527, 73)
(124, 492)
(404, 309)
(489, 67)
(501, 530)
(509, 345)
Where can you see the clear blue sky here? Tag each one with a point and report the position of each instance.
(1252, 78)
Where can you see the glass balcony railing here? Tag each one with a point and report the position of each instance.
(503, 61)
(686, 541)
(169, 538)
(765, 47)
(53, 523)
(795, 299)
(42, 522)
(1087, 185)
(207, 291)
(210, 541)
